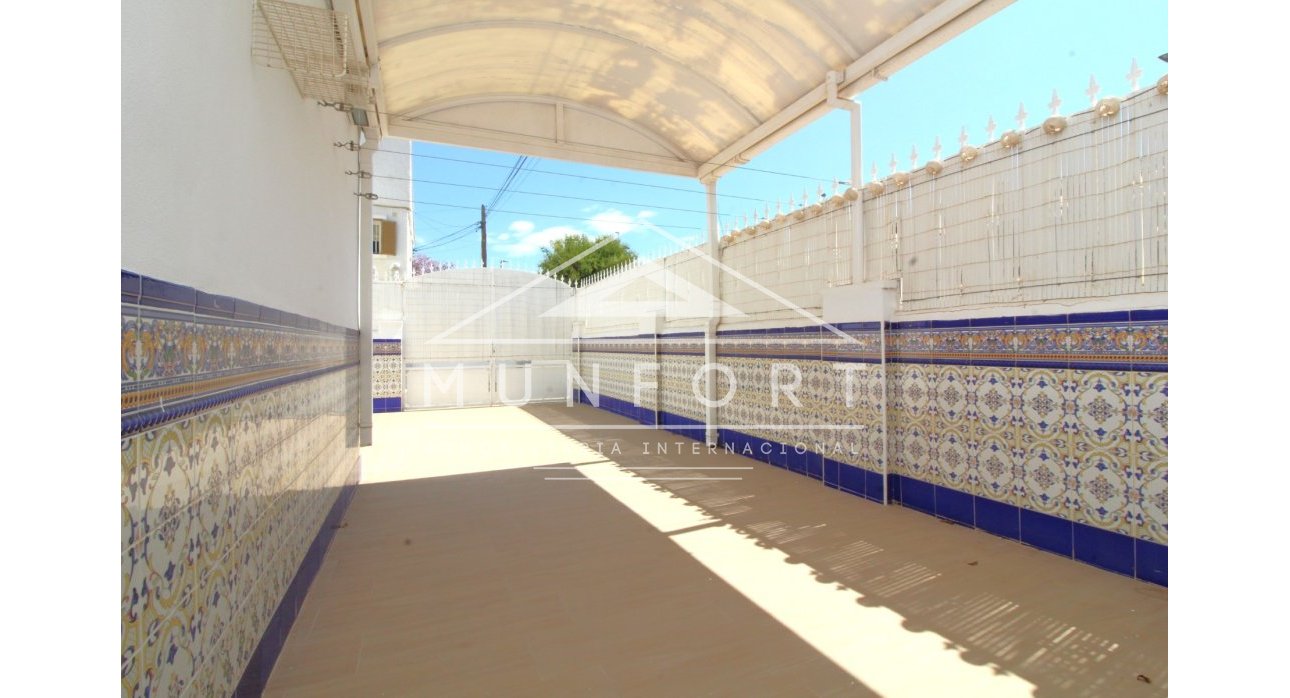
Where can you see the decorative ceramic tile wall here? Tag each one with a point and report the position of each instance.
(1052, 430)
(387, 375)
(238, 436)
(616, 364)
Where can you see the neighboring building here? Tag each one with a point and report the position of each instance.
(392, 222)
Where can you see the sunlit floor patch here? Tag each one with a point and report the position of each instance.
(870, 643)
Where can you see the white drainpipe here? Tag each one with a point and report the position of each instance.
(364, 156)
(857, 205)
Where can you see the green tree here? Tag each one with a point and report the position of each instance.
(610, 253)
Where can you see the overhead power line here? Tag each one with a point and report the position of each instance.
(553, 196)
(575, 176)
(526, 213)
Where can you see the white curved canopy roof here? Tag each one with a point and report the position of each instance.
(672, 86)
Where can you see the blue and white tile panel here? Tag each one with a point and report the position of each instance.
(1052, 430)
(239, 449)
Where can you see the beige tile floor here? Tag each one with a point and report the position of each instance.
(465, 570)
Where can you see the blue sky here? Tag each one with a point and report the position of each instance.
(1018, 56)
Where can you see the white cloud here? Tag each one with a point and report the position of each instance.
(525, 240)
(531, 243)
(612, 221)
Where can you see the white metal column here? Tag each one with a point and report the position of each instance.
(714, 319)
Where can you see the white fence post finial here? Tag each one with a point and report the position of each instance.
(1092, 90)
(1021, 116)
(990, 126)
(1134, 73)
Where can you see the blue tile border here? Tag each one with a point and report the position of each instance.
(1106, 549)
(1151, 562)
(131, 286)
(1009, 321)
(1032, 320)
(1155, 315)
(149, 292)
(956, 506)
(999, 518)
(853, 326)
(853, 480)
(256, 674)
(1056, 535)
(216, 306)
(163, 294)
(803, 341)
(1090, 318)
(918, 495)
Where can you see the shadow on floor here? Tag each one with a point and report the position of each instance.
(463, 570)
(1068, 628)
(501, 583)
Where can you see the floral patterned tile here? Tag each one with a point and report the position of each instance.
(133, 484)
(1042, 342)
(990, 402)
(131, 624)
(916, 383)
(951, 394)
(168, 658)
(220, 673)
(1040, 404)
(1044, 484)
(131, 351)
(1100, 496)
(1101, 406)
(216, 614)
(874, 441)
(1151, 425)
(957, 341)
(952, 461)
(1111, 341)
(995, 468)
(1151, 340)
(1152, 505)
(993, 343)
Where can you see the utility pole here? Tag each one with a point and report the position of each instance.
(483, 235)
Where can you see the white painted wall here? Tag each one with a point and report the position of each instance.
(392, 183)
(229, 180)
(1078, 215)
(1068, 222)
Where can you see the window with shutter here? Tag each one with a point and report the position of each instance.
(389, 237)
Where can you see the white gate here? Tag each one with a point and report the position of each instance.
(484, 337)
